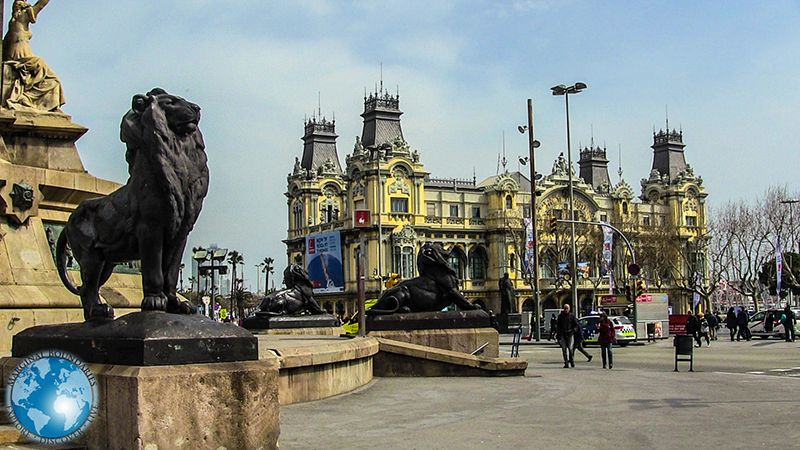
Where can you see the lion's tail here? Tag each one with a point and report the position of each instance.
(61, 263)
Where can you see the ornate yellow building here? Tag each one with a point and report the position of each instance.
(481, 224)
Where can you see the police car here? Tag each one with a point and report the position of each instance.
(623, 329)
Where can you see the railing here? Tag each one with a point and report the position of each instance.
(477, 221)
(433, 219)
(455, 221)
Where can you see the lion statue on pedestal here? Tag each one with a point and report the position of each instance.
(434, 289)
(148, 219)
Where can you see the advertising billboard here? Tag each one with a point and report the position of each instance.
(324, 256)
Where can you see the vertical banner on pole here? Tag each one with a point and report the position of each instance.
(778, 266)
(529, 247)
(608, 239)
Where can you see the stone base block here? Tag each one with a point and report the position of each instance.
(464, 340)
(195, 406)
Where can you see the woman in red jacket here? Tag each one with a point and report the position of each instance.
(606, 338)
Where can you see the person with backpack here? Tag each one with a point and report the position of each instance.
(713, 323)
(693, 327)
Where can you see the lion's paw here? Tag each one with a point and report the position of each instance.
(176, 306)
(154, 303)
(101, 311)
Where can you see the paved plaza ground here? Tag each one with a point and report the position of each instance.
(742, 395)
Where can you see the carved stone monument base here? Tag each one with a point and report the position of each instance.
(262, 321)
(192, 406)
(143, 339)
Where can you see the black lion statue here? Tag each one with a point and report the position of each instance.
(435, 288)
(150, 217)
(295, 299)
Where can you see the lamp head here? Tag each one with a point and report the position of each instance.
(522, 128)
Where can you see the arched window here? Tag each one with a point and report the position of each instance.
(456, 261)
(297, 214)
(625, 208)
(403, 261)
(509, 202)
(477, 264)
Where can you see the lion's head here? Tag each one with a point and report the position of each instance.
(296, 277)
(148, 111)
(432, 258)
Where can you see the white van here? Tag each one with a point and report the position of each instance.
(767, 324)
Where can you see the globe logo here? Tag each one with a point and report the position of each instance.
(51, 397)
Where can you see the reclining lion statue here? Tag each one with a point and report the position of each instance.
(150, 217)
(434, 289)
(295, 299)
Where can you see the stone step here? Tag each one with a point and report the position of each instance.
(9, 434)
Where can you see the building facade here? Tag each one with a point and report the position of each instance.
(384, 205)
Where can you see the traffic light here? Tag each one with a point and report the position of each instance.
(553, 223)
(639, 290)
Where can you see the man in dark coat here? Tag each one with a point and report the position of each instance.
(730, 322)
(742, 319)
(693, 327)
(566, 327)
(788, 323)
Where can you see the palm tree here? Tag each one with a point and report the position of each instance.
(267, 269)
(234, 258)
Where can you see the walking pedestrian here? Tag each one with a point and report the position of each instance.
(693, 327)
(789, 321)
(606, 337)
(713, 324)
(704, 329)
(579, 341)
(553, 327)
(566, 324)
(730, 322)
(742, 319)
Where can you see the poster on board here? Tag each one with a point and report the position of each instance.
(324, 256)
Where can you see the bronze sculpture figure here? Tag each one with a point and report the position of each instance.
(150, 217)
(295, 299)
(434, 289)
(34, 85)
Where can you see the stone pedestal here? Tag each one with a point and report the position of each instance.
(193, 406)
(263, 321)
(463, 340)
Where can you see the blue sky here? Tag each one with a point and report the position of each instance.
(726, 72)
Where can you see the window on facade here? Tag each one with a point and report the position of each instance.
(404, 261)
(625, 208)
(430, 209)
(526, 211)
(662, 220)
(453, 210)
(512, 261)
(509, 202)
(603, 217)
(476, 212)
(297, 213)
(399, 205)
(476, 266)
(330, 214)
(454, 261)
(691, 221)
(360, 204)
(646, 221)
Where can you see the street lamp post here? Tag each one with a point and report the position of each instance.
(532, 145)
(565, 91)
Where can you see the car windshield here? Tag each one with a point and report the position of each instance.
(623, 320)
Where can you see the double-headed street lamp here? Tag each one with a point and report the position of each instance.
(565, 91)
(534, 274)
